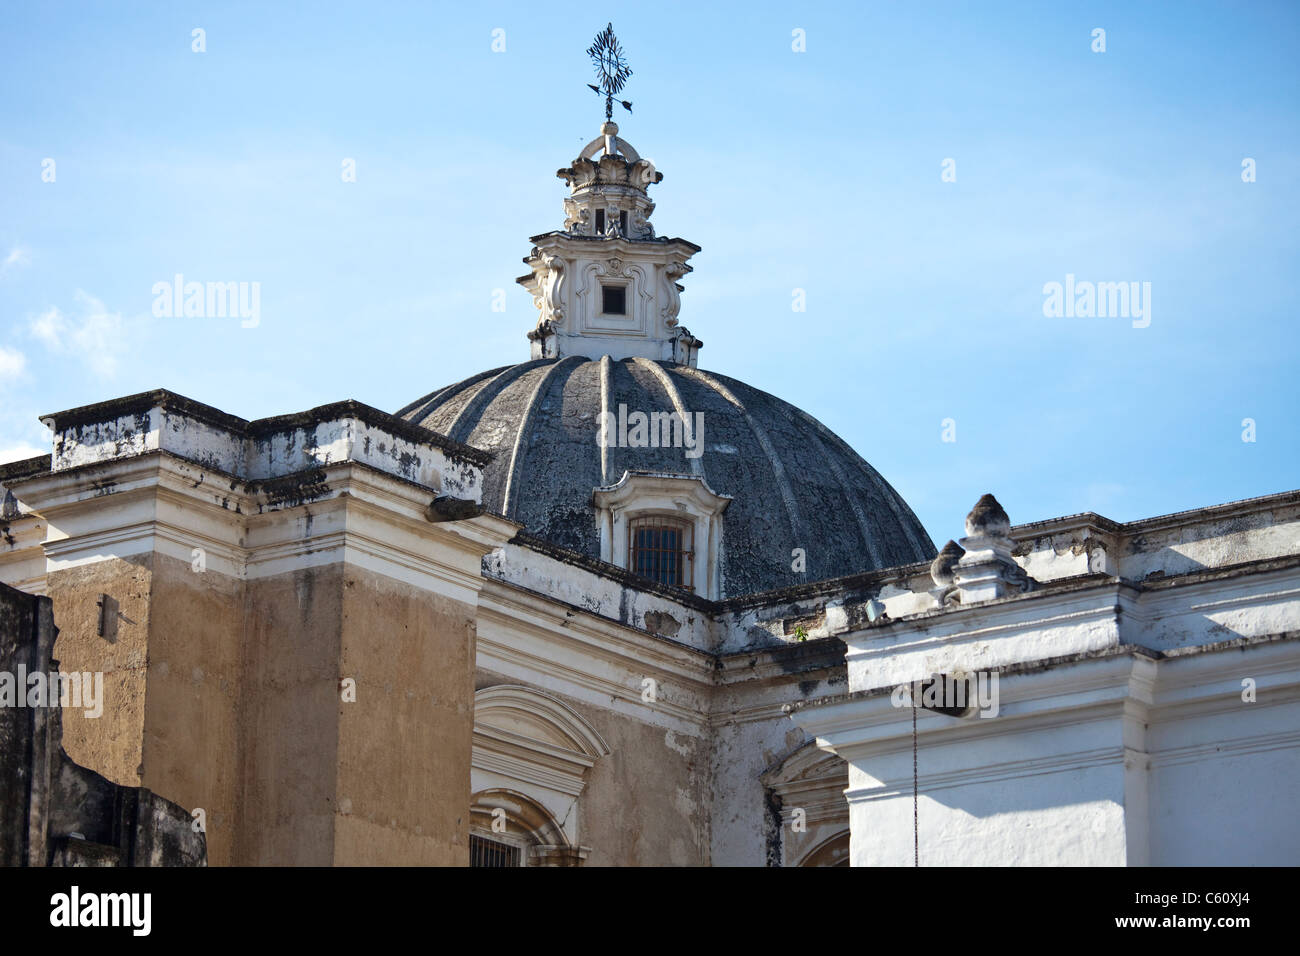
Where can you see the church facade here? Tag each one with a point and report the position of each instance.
(602, 607)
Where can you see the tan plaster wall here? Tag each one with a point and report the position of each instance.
(110, 744)
(289, 715)
(384, 779)
(192, 707)
(412, 656)
(647, 804)
(243, 717)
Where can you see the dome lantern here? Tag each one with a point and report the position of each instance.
(604, 283)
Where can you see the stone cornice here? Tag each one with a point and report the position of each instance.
(612, 572)
(13, 470)
(134, 424)
(1059, 685)
(632, 647)
(867, 582)
(139, 403)
(1088, 519)
(785, 660)
(168, 505)
(618, 244)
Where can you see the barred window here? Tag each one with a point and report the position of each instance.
(487, 852)
(661, 549)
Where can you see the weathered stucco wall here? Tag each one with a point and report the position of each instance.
(327, 563)
(752, 735)
(52, 810)
(255, 566)
(111, 744)
(192, 712)
(290, 711)
(405, 802)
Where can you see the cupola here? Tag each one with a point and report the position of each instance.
(604, 283)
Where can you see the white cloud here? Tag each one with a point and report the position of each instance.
(18, 256)
(93, 335)
(49, 327)
(12, 364)
(20, 451)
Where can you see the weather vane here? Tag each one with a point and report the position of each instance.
(611, 69)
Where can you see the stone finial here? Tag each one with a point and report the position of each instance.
(610, 132)
(987, 570)
(988, 518)
(941, 569)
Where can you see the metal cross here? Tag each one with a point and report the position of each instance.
(611, 69)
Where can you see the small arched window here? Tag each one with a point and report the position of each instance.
(660, 548)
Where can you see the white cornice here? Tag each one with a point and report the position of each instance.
(159, 503)
(591, 658)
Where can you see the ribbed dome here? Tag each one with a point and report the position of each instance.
(794, 483)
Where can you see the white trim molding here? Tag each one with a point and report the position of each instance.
(531, 744)
(685, 497)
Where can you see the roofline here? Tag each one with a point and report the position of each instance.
(23, 468)
(658, 240)
(171, 401)
(1079, 657)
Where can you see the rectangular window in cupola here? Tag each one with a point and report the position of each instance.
(613, 299)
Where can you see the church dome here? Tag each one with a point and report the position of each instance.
(612, 443)
(793, 484)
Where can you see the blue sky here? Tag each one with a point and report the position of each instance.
(818, 170)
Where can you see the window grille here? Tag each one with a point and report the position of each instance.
(661, 550)
(485, 852)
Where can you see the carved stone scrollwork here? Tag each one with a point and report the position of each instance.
(641, 228)
(552, 306)
(576, 220)
(672, 298)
